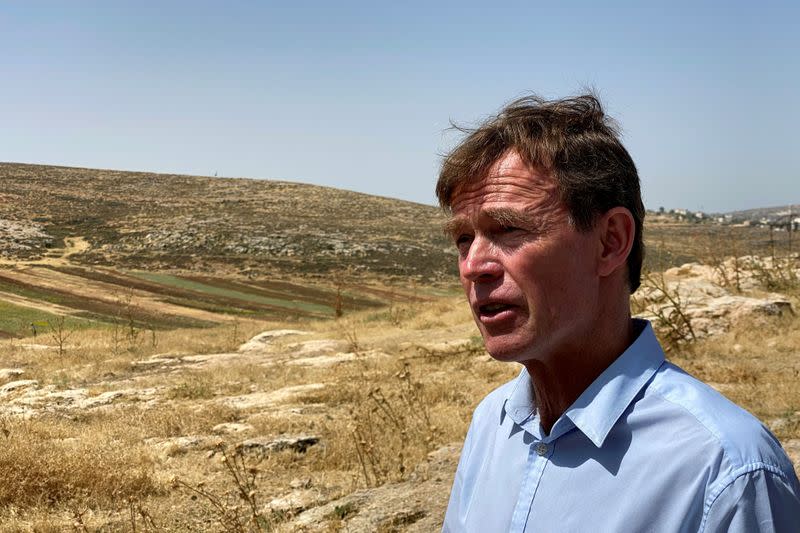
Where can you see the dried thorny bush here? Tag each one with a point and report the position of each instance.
(667, 308)
(723, 256)
(237, 510)
(392, 429)
(775, 273)
(59, 333)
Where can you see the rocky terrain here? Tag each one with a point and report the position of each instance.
(157, 221)
(288, 404)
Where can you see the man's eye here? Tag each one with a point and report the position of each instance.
(463, 239)
(508, 229)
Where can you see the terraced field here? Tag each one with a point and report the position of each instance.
(39, 294)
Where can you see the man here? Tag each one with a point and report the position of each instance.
(598, 432)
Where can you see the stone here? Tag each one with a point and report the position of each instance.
(18, 385)
(154, 362)
(180, 445)
(231, 428)
(262, 400)
(10, 373)
(415, 505)
(266, 445)
(450, 347)
(296, 501)
(264, 339)
(323, 360)
(210, 358)
(300, 483)
(710, 307)
(318, 347)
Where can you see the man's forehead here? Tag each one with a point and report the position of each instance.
(505, 184)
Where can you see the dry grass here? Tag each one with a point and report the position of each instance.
(377, 414)
(42, 462)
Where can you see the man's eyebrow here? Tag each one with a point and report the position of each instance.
(505, 216)
(453, 225)
(508, 216)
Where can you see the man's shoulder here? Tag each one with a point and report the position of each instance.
(740, 437)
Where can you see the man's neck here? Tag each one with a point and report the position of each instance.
(559, 380)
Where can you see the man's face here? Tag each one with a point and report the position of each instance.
(529, 275)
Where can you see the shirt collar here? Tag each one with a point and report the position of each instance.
(599, 407)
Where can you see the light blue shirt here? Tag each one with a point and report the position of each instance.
(645, 447)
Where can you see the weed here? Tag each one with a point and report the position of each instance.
(392, 430)
(192, 390)
(775, 273)
(125, 327)
(350, 334)
(140, 516)
(668, 309)
(59, 333)
(343, 511)
(239, 510)
(722, 254)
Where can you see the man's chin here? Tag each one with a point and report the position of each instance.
(505, 350)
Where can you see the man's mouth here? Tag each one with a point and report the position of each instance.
(493, 309)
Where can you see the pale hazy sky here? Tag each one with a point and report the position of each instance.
(358, 95)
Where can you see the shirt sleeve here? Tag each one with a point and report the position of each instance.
(453, 516)
(757, 501)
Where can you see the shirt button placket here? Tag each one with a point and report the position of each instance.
(538, 457)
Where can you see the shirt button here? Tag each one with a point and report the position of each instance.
(541, 448)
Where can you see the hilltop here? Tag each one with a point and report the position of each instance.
(201, 224)
(85, 247)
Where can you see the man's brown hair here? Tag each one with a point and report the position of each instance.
(570, 139)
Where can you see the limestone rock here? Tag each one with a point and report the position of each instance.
(231, 428)
(262, 400)
(318, 347)
(323, 360)
(711, 307)
(10, 373)
(155, 362)
(18, 385)
(180, 445)
(266, 445)
(296, 501)
(210, 358)
(264, 339)
(416, 505)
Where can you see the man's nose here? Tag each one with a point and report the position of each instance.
(481, 264)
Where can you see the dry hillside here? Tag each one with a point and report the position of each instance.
(184, 354)
(160, 221)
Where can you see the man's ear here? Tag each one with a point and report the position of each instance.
(616, 230)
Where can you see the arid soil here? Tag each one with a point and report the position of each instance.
(353, 424)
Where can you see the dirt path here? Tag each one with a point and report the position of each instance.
(56, 256)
